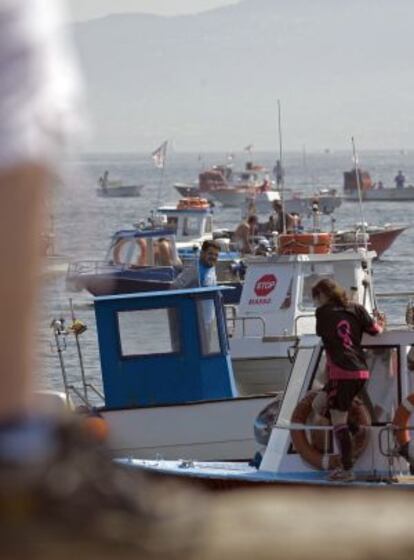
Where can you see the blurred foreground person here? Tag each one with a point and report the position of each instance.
(59, 491)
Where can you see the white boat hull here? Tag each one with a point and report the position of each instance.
(386, 195)
(120, 191)
(211, 430)
(229, 197)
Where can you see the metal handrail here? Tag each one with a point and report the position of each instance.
(297, 318)
(244, 320)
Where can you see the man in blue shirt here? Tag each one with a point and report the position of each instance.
(207, 263)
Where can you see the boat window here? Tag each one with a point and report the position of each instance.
(312, 273)
(381, 392)
(208, 327)
(191, 226)
(382, 387)
(208, 226)
(172, 222)
(149, 331)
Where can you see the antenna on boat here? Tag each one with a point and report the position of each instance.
(282, 180)
(363, 224)
(159, 157)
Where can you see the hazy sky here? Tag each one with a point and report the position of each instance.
(88, 9)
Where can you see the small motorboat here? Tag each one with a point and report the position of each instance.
(371, 192)
(379, 238)
(168, 383)
(151, 256)
(116, 188)
(230, 188)
(137, 260)
(325, 200)
(296, 448)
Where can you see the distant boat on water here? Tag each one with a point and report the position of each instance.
(116, 188)
(371, 191)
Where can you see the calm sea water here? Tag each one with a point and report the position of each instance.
(85, 222)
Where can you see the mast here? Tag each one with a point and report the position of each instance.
(363, 224)
(282, 179)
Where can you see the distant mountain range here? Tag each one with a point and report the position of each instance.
(211, 81)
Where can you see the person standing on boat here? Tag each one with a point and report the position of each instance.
(207, 263)
(245, 233)
(282, 221)
(341, 325)
(399, 180)
(204, 272)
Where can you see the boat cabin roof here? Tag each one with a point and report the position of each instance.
(163, 294)
(180, 211)
(136, 233)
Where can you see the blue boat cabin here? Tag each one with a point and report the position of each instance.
(163, 348)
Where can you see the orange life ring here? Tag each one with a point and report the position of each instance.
(304, 243)
(192, 202)
(310, 452)
(142, 257)
(400, 421)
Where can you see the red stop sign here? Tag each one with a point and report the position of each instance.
(265, 285)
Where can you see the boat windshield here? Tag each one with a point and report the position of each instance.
(172, 223)
(312, 273)
(191, 226)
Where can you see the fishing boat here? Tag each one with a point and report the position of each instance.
(223, 181)
(116, 188)
(168, 384)
(150, 256)
(295, 202)
(216, 177)
(296, 448)
(379, 238)
(137, 260)
(371, 192)
(276, 307)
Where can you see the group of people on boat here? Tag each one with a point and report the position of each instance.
(250, 235)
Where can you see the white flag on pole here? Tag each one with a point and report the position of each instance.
(159, 155)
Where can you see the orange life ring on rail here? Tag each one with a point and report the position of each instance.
(400, 421)
(304, 243)
(192, 202)
(142, 244)
(310, 452)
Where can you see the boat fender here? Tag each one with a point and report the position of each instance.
(95, 426)
(401, 431)
(311, 451)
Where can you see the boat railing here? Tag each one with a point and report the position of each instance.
(91, 267)
(301, 318)
(84, 389)
(232, 320)
(403, 298)
(388, 445)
